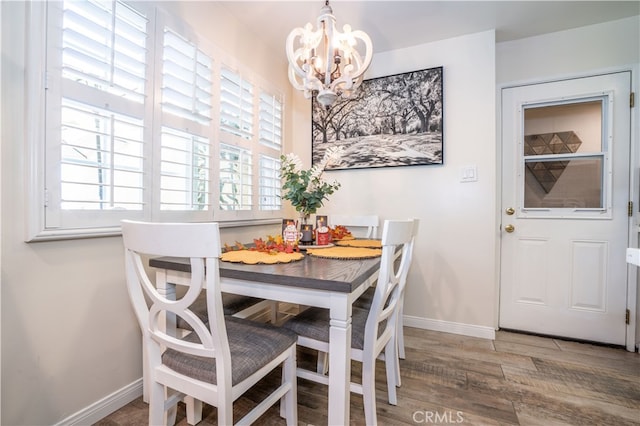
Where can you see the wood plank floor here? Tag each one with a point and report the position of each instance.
(516, 379)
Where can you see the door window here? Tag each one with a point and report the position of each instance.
(565, 158)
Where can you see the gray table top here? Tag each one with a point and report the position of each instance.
(311, 272)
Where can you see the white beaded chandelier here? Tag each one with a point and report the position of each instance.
(326, 61)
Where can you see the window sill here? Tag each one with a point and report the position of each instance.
(77, 234)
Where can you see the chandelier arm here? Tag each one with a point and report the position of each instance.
(294, 57)
(363, 65)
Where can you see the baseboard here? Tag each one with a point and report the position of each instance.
(101, 409)
(450, 327)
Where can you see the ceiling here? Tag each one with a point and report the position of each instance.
(398, 24)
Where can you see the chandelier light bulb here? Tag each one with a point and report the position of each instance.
(325, 61)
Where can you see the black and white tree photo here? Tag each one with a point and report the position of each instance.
(387, 121)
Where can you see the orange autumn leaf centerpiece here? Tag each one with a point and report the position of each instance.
(340, 232)
(273, 250)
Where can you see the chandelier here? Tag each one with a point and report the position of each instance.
(326, 61)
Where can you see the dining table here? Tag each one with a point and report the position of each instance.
(329, 283)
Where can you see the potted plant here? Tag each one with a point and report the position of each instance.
(305, 188)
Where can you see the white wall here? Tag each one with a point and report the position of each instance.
(69, 336)
(453, 282)
(596, 48)
(567, 53)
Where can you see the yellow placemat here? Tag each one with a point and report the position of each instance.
(345, 252)
(345, 238)
(360, 243)
(253, 257)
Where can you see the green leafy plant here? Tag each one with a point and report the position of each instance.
(306, 189)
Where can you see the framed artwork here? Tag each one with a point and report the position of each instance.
(387, 122)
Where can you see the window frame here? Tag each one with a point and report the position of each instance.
(39, 226)
(600, 213)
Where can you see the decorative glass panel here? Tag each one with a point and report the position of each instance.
(575, 183)
(564, 155)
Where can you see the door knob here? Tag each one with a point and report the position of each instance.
(509, 228)
(510, 211)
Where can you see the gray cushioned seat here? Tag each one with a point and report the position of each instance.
(314, 324)
(231, 304)
(366, 299)
(252, 346)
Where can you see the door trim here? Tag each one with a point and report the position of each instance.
(634, 188)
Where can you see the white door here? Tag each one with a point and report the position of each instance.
(565, 194)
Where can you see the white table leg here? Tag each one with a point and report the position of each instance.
(339, 362)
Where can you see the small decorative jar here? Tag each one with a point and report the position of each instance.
(322, 236)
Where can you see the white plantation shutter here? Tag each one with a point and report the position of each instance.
(270, 146)
(186, 79)
(95, 114)
(270, 141)
(142, 119)
(235, 178)
(270, 183)
(104, 47)
(270, 119)
(236, 104)
(184, 170)
(102, 159)
(185, 156)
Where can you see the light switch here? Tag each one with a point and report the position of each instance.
(469, 174)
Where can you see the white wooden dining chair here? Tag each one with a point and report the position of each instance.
(362, 226)
(373, 331)
(219, 360)
(364, 301)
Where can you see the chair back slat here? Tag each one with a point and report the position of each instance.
(200, 243)
(397, 235)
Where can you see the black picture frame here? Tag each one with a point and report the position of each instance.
(389, 121)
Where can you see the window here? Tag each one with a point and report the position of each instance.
(565, 156)
(144, 119)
